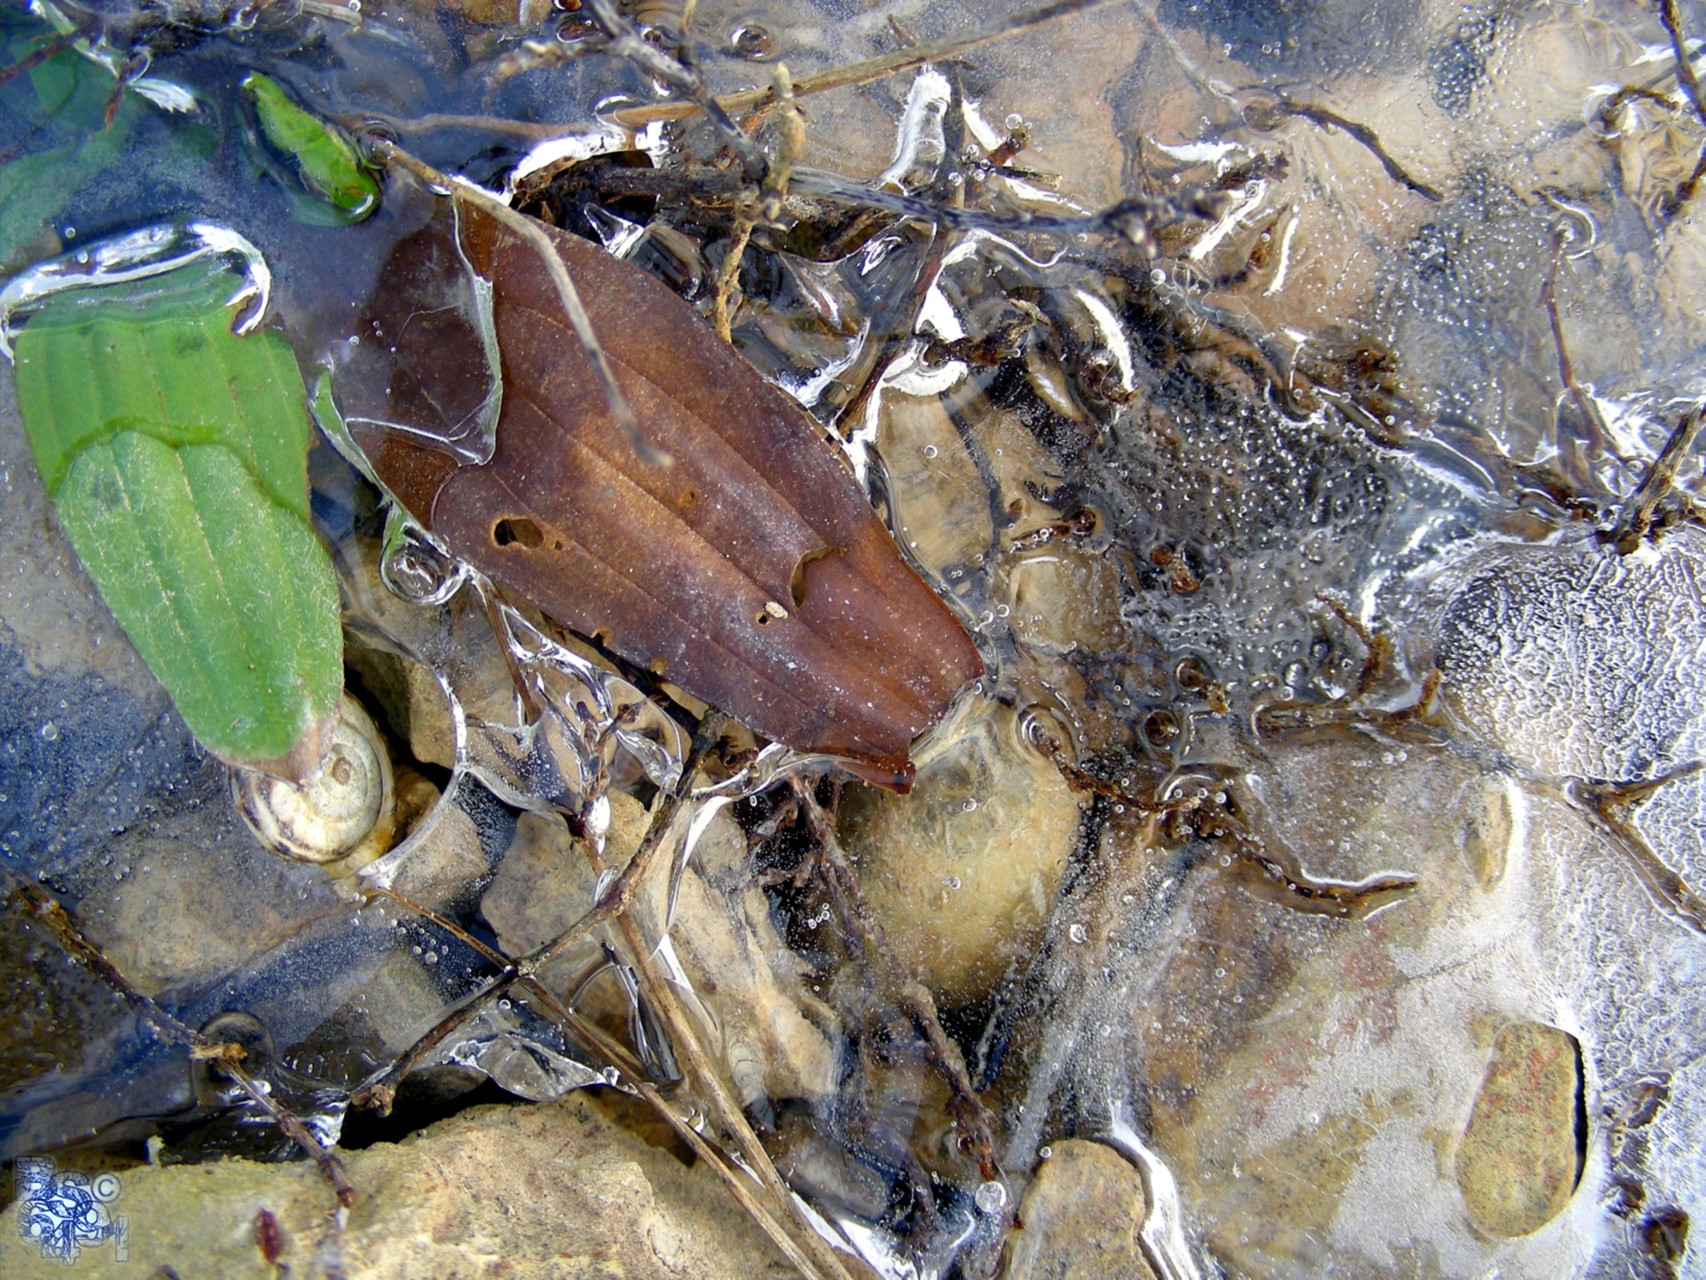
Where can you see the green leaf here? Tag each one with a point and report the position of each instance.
(176, 454)
(325, 160)
(65, 96)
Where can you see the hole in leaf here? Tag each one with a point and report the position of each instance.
(797, 580)
(517, 529)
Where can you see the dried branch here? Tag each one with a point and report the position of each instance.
(1610, 803)
(390, 153)
(1690, 84)
(790, 141)
(863, 72)
(47, 909)
(1637, 518)
(1671, 17)
(863, 929)
(1593, 421)
(1266, 115)
(380, 1090)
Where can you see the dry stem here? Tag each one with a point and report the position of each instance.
(862, 72)
(47, 909)
(534, 234)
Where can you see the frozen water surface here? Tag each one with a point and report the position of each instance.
(1275, 393)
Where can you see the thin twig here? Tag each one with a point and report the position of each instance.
(1283, 871)
(1610, 803)
(1592, 420)
(1672, 20)
(47, 909)
(790, 140)
(381, 1089)
(976, 1122)
(860, 72)
(738, 1184)
(1637, 518)
(702, 1074)
(528, 131)
(723, 1108)
(39, 55)
(728, 272)
(1686, 188)
(1134, 218)
(1690, 85)
(1628, 93)
(616, 900)
(1265, 115)
(534, 234)
(623, 40)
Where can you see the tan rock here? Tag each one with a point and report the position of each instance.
(545, 882)
(1518, 1163)
(962, 872)
(522, 1192)
(447, 857)
(182, 906)
(1079, 1219)
(1065, 596)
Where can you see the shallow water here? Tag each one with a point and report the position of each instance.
(1333, 765)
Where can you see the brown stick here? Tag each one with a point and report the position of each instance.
(862, 72)
(1610, 802)
(1594, 422)
(1672, 20)
(1637, 518)
(1690, 84)
(48, 910)
(912, 996)
(1262, 117)
(381, 1089)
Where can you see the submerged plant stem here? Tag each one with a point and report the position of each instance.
(862, 72)
(1671, 17)
(802, 1244)
(1610, 804)
(1637, 518)
(381, 1089)
(1592, 420)
(790, 141)
(914, 999)
(47, 909)
(1263, 116)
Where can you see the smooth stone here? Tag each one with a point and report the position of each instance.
(962, 872)
(1518, 1163)
(1079, 1219)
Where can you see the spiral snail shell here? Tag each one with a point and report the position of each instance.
(343, 817)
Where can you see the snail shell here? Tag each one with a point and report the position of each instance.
(344, 814)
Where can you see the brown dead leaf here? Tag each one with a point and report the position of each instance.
(752, 572)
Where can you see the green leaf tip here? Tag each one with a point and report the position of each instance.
(176, 454)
